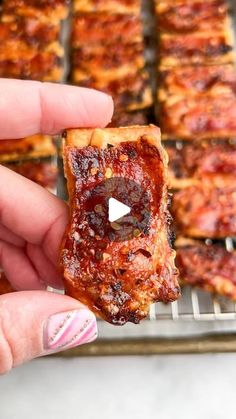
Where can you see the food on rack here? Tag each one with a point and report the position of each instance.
(130, 92)
(116, 279)
(109, 6)
(45, 10)
(215, 163)
(194, 80)
(5, 286)
(209, 267)
(198, 117)
(26, 148)
(197, 48)
(205, 211)
(107, 64)
(32, 31)
(124, 119)
(44, 173)
(93, 28)
(190, 16)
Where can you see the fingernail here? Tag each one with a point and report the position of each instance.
(69, 329)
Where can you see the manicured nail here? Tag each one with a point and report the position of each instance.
(69, 329)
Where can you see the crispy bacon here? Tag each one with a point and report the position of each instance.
(118, 280)
(109, 6)
(190, 80)
(52, 10)
(28, 147)
(124, 119)
(203, 48)
(96, 28)
(104, 63)
(5, 286)
(199, 117)
(215, 163)
(43, 173)
(205, 211)
(185, 17)
(209, 267)
(130, 92)
(29, 30)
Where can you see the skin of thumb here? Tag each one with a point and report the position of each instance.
(37, 323)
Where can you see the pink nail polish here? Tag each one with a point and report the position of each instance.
(69, 329)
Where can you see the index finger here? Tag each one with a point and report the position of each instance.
(31, 107)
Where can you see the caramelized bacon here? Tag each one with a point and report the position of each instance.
(214, 80)
(101, 62)
(29, 147)
(185, 16)
(202, 48)
(199, 117)
(43, 173)
(209, 267)
(52, 10)
(118, 280)
(130, 92)
(215, 163)
(205, 211)
(96, 28)
(124, 119)
(108, 6)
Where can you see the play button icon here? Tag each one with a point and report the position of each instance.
(117, 210)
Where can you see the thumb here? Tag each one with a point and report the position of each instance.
(36, 323)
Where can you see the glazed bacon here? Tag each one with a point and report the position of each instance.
(108, 6)
(100, 28)
(195, 80)
(118, 280)
(107, 64)
(124, 119)
(215, 163)
(204, 211)
(197, 48)
(45, 10)
(209, 267)
(199, 117)
(43, 173)
(131, 92)
(5, 286)
(185, 17)
(28, 147)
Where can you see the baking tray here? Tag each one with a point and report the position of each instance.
(197, 322)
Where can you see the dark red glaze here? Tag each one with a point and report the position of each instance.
(22, 145)
(209, 267)
(118, 280)
(42, 173)
(92, 28)
(205, 211)
(125, 119)
(193, 16)
(199, 79)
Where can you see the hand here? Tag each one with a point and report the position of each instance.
(32, 223)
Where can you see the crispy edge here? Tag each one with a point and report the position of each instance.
(43, 146)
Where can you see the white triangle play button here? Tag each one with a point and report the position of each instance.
(117, 210)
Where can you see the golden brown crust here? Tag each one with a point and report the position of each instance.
(198, 117)
(108, 6)
(45, 10)
(209, 267)
(130, 274)
(204, 211)
(30, 147)
(100, 28)
(197, 48)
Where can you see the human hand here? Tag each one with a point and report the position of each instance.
(34, 322)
